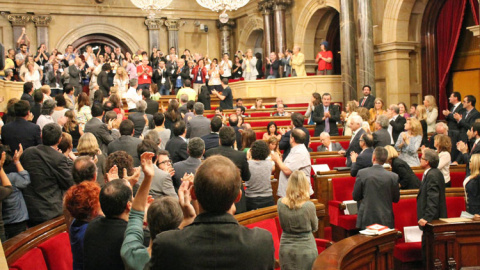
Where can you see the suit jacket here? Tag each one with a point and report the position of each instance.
(75, 74)
(275, 66)
(369, 103)
(102, 81)
(36, 111)
(451, 122)
(288, 67)
(54, 78)
(375, 190)
(335, 147)
(397, 127)
(171, 69)
(128, 144)
(162, 184)
(238, 137)
(21, 131)
(466, 123)
(406, 177)
(284, 143)
(230, 245)
(431, 203)
(317, 116)
(364, 160)
(253, 66)
(101, 132)
(382, 138)
(139, 122)
(354, 146)
(152, 106)
(298, 64)
(159, 75)
(198, 126)
(211, 140)
(28, 98)
(238, 157)
(189, 165)
(50, 176)
(177, 147)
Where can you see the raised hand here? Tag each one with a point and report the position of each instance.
(147, 163)
(18, 153)
(112, 174)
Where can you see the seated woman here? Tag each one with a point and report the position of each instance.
(406, 177)
(298, 220)
(259, 190)
(258, 104)
(82, 202)
(272, 131)
(472, 186)
(351, 110)
(409, 142)
(443, 143)
(88, 146)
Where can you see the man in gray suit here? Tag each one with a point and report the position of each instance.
(375, 189)
(138, 118)
(99, 129)
(126, 142)
(199, 125)
(195, 149)
(75, 72)
(382, 137)
(327, 145)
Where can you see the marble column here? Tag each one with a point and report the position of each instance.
(153, 26)
(347, 40)
(279, 7)
(173, 25)
(265, 6)
(225, 36)
(42, 22)
(18, 22)
(365, 43)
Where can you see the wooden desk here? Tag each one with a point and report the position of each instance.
(359, 252)
(452, 245)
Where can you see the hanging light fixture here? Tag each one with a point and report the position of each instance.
(151, 6)
(219, 5)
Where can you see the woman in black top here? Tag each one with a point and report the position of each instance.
(237, 70)
(472, 186)
(406, 177)
(73, 128)
(172, 115)
(259, 65)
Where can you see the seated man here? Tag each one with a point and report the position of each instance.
(327, 145)
(281, 111)
(364, 158)
(381, 137)
(214, 239)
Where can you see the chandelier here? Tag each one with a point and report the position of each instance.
(219, 5)
(151, 6)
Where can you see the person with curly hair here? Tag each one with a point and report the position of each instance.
(123, 162)
(82, 202)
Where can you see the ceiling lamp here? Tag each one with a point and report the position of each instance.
(219, 5)
(151, 6)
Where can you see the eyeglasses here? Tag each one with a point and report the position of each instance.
(168, 161)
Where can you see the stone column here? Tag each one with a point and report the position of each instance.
(279, 7)
(265, 6)
(347, 40)
(18, 22)
(365, 43)
(225, 36)
(42, 22)
(153, 26)
(173, 25)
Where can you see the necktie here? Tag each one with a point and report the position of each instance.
(473, 147)
(327, 123)
(363, 102)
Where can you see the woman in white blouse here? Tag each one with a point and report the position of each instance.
(432, 112)
(32, 75)
(351, 110)
(443, 143)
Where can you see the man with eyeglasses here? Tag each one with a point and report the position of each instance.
(469, 115)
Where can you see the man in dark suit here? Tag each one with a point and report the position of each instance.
(126, 142)
(183, 104)
(326, 116)
(50, 176)
(217, 186)
(469, 115)
(102, 79)
(181, 73)
(364, 158)
(442, 128)
(431, 203)
(272, 66)
(297, 122)
(457, 107)
(195, 149)
(368, 101)
(177, 146)
(381, 137)
(233, 122)
(469, 149)
(21, 131)
(138, 118)
(357, 132)
(37, 107)
(397, 122)
(327, 145)
(75, 73)
(375, 190)
(152, 105)
(161, 78)
(99, 129)
(199, 125)
(27, 93)
(212, 140)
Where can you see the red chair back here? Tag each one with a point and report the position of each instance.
(343, 188)
(456, 178)
(332, 162)
(271, 226)
(405, 214)
(57, 252)
(455, 206)
(33, 259)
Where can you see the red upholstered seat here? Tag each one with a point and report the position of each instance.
(315, 145)
(344, 144)
(408, 252)
(321, 244)
(340, 131)
(455, 206)
(260, 114)
(57, 252)
(405, 213)
(342, 188)
(271, 226)
(456, 178)
(312, 132)
(419, 175)
(296, 105)
(332, 162)
(33, 259)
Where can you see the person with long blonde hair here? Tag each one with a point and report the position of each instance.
(88, 146)
(472, 186)
(298, 220)
(375, 112)
(432, 112)
(351, 110)
(421, 115)
(409, 142)
(121, 80)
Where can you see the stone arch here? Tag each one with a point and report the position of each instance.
(396, 19)
(97, 28)
(306, 15)
(253, 24)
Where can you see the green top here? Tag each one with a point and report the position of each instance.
(134, 253)
(155, 96)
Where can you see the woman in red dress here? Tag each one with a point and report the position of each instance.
(324, 60)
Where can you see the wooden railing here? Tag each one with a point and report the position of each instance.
(9, 90)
